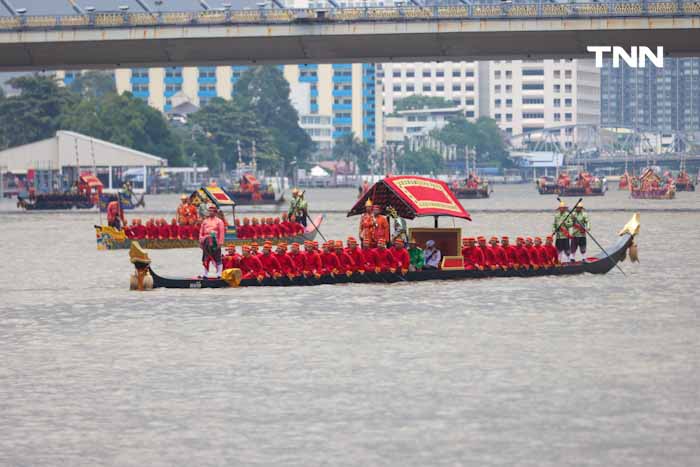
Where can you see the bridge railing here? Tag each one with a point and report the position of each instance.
(486, 9)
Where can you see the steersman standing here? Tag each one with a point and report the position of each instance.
(581, 224)
(562, 231)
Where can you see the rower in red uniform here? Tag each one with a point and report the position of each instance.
(358, 258)
(231, 259)
(551, 252)
(511, 254)
(251, 267)
(151, 229)
(401, 257)
(277, 229)
(384, 259)
(345, 261)
(370, 256)
(196, 227)
(533, 253)
(128, 229)
(163, 230)
(499, 255)
(522, 253)
(184, 231)
(244, 230)
(173, 229)
(381, 226)
(254, 249)
(312, 260)
(270, 264)
(285, 228)
(255, 229)
(486, 251)
(287, 266)
(331, 264)
(297, 258)
(473, 256)
(542, 258)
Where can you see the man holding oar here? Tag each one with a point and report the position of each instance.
(562, 231)
(581, 226)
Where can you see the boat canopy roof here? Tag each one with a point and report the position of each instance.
(91, 181)
(412, 197)
(217, 195)
(250, 179)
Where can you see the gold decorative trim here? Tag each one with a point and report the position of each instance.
(632, 227)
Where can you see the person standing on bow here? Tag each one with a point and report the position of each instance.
(211, 239)
(298, 207)
(562, 231)
(581, 224)
(366, 232)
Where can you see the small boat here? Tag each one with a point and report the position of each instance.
(87, 192)
(109, 238)
(684, 182)
(249, 192)
(649, 185)
(472, 188)
(585, 184)
(414, 196)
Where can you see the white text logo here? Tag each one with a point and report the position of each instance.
(637, 58)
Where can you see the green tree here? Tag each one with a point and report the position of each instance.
(127, 121)
(35, 113)
(93, 84)
(484, 136)
(263, 91)
(221, 123)
(419, 101)
(351, 149)
(421, 161)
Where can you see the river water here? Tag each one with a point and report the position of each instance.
(588, 370)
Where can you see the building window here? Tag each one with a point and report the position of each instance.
(497, 103)
(497, 88)
(397, 88)
(567, 74)
(509, 102)
(509, 88)
(469, 114)
(557, 88)
(456, 73)
(396, 74)
(469, 74)
(567, 117)
(137, 73)
(426, 87)
(557, 117)
(469, 102)
(567, 102)
(532, 115)
(557, 74)
(533, 100)
(440, 74)
(533, 87)
(410, 73)
(509, 117)
(426, 73)
(456, 87)
(139, 88)
(410, 88)
(440, 88)
(497, 116)
(497, 74)
(468, 87)
(509, 74)
(557, 102)
(173, 73)
(567, 88)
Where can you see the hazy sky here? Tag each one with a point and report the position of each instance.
(57, 7)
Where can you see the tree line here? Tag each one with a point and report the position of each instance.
(260, 110)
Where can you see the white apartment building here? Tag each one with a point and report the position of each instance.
(453, 81)
(525, 96)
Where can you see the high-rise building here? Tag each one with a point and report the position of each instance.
(454, 81)
(331, 99)
(652, 99)
(526, 96)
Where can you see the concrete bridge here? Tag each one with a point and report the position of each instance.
(530, 29)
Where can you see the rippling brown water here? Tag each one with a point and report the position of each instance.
(592, 370)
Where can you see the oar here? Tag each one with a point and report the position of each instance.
(316, 227)
(601, 247)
